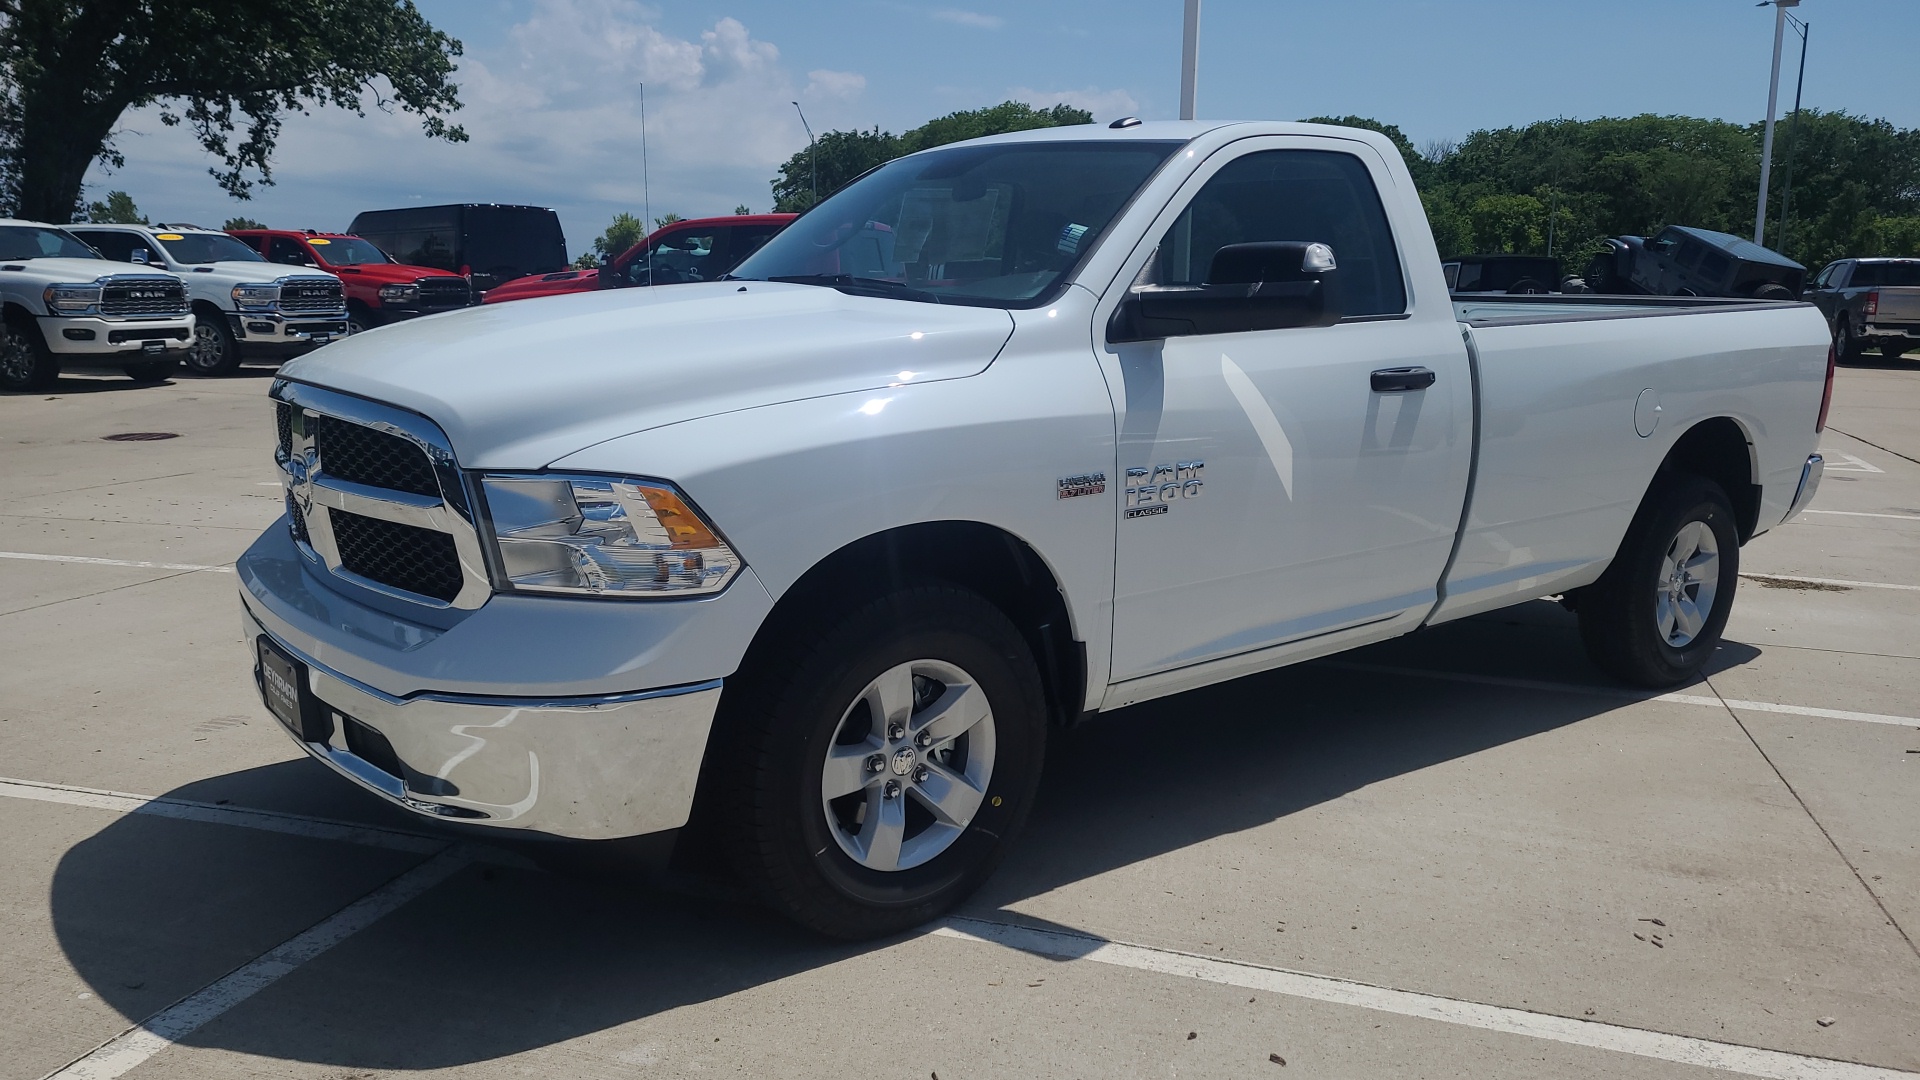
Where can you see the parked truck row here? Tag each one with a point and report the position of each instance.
(793, 570)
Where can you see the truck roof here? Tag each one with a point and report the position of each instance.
(1744, 250)
(1163, 130)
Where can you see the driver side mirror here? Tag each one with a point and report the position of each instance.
(138, 257)
(1272, 285)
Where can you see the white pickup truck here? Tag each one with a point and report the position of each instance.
(62, 305)
(804, 562)
(243, 305)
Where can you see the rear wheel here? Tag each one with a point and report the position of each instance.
(1845, 345)
(884, 761)
(214, 350)
(25, 361)
(1656, 615)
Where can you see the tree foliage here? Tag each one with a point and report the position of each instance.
(624, 232)
(1571, 184)
(839, 156)
(243, 223)
(117, 209)
(226, 69)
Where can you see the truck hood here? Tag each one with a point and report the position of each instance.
(76, 271)
(387, 273)
(554, 284)
(518, 386)
(235, 272)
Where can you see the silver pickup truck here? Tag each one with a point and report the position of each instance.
(1003, 435)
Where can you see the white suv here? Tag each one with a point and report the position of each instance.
(244, 306)
(62, 305)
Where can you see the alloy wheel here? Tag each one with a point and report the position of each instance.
(1689, 579)
(16, 357)
(208, 349)
(909, 765)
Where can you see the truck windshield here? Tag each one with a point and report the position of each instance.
(347, 250)
(194, 248)
(998, 225)
(34, 242)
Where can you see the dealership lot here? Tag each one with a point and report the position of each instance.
(1457, 854)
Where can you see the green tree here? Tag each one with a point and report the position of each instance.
(666, 219)
(742, 209)
(839, 156)
(1416, 162)
(118, 209)
(243, 223)
(227, 70)
(624, 232)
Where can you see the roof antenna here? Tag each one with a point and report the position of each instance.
(646, 191)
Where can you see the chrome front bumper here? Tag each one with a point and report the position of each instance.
(1810, 474)
(588, 768)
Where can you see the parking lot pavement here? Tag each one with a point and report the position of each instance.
(1462, 853)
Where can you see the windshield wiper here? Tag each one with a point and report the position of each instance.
(869, 286)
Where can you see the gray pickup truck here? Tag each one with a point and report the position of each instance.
(1870, 302)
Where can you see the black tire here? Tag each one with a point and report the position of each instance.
(152, 371)
(1620, 615)
(25, 361)
(1846, 347)
(781, 718)
(1894, 350)
(213, 351)
(1773, 290)
(1599, 275)
(360, 319)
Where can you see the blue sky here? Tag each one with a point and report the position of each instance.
(551, 86)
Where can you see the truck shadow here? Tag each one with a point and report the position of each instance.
(499, 960)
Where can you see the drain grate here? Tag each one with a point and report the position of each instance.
(140, 436)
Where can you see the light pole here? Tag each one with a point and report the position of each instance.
(1773, 99)
(1189, 59)
(1804, 29)
(813, 156)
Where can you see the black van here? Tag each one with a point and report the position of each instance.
(485, 242)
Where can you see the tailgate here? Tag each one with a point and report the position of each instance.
(1899, 304)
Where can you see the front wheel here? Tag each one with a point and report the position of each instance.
(25, 361)
(214, 350)
(885, 760)
(1656, 615)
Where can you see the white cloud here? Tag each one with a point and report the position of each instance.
(975, 19)
(554, 115)
(1103, 104)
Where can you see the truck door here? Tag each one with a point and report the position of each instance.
(1283, 484)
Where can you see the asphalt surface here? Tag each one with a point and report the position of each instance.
(1458, 854)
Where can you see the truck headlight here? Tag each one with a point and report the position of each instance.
(72, 299)
(261, 297)
(604, 536)
(391, 293)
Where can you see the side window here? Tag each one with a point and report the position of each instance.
(117, 246)
(1306, 195)
(747, 240)
(683, 256)
(288, 252)
(1690, 252)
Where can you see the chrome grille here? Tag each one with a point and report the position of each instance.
(143, 296)
(366, 502)
(410, 559)
(312, 294)
(364, 456)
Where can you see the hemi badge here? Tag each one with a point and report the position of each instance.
(1093, 483)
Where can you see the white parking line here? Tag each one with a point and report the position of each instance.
(1625, 694)
(1857, 513)
(1730, 1057)
(1853, 464)
(37, 557)
(213, 813)
(173, 1023)
(1842, 582)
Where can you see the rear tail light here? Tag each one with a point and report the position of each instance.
(1826, 395)
(1872, 306)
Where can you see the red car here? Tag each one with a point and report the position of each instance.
(698, 250)
(379, 290)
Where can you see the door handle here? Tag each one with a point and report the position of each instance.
(1399, 379)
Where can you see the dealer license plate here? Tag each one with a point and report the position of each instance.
(280, 677)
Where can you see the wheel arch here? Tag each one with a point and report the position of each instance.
(1721, 449)
(983, 558)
